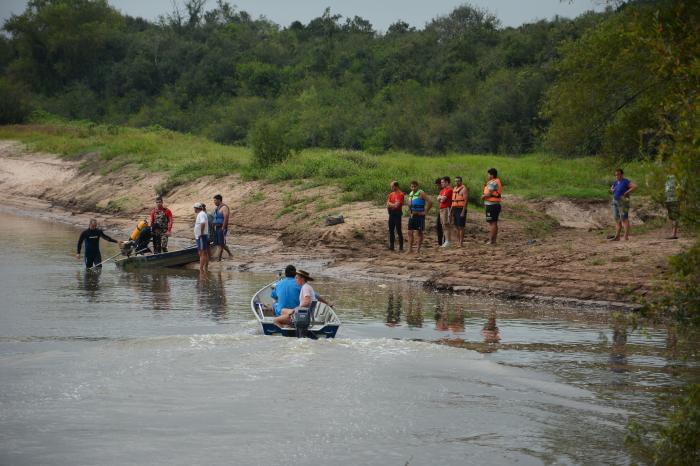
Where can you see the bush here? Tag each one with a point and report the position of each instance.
(676, 442)
(14, 103)
(269, 143)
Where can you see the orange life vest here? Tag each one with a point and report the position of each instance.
(489, 191)
(458, 198)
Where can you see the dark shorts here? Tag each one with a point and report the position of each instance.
(621, 209)
(219, 236)
(416, 223)
(492, 212)
(674, 211)
(203, 243)
(457, 219)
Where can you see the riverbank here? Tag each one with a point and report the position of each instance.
(551, 249)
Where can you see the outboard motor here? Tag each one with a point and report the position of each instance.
(302, 320)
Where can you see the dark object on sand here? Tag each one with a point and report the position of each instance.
(334, 220)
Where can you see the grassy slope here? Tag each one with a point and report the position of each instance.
(361, 176)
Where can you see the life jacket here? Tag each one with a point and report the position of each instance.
(137, 230)
(415, 202)
(489, 188)
(218, 215)
(458, 199)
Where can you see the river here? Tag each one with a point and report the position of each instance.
(117, 368)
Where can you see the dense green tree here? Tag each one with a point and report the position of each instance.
(58, 41)
(460, 83)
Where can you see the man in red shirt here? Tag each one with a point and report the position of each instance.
(445, 199)
(394, 206)
(162, 217)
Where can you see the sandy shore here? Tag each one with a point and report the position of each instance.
(568, 261)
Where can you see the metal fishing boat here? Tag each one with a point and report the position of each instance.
(164, 259)
(324, 322)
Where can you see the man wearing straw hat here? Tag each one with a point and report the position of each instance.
(307, 296)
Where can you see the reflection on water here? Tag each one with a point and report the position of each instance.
(393, 309)
(89, 280)
(491, 334)
(414, 308)
(449, 315)
(618, 349)
(211, 295)
(180, 355)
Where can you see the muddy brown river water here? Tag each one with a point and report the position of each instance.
(117, 368)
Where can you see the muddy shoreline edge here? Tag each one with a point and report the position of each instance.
(570, 267)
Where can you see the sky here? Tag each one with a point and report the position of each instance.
(380, 13)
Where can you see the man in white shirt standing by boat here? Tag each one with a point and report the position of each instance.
(307, 296)
(201, 229)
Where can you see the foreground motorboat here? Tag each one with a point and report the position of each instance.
(323, 322)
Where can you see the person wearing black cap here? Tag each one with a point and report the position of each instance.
(286, 291)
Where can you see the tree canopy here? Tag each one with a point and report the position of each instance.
(462, 83)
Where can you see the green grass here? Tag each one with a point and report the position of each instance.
(359, 175)
(183, 157)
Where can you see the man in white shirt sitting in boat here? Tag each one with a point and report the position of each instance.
(307, 296)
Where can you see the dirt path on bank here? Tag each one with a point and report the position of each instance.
(555, 251)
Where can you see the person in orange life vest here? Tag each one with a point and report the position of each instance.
(460, 194)
(445, 199)
(394, 205)
(438, 223)
(492, 203)
(419, 205)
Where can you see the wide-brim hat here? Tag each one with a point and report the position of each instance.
(305, 274)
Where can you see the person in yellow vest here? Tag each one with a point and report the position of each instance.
(460, 194)
(492, 203)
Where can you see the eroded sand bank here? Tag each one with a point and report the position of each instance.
(272, 225)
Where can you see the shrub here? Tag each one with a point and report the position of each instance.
(675, 442)
(268, 141)
(14, 103)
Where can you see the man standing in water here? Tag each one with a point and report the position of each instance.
(201, 227)
(161, 217)
(492, 203)
(394, 206)
(419, 205)
(621, 189)
(221, 217)
(91, 238)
